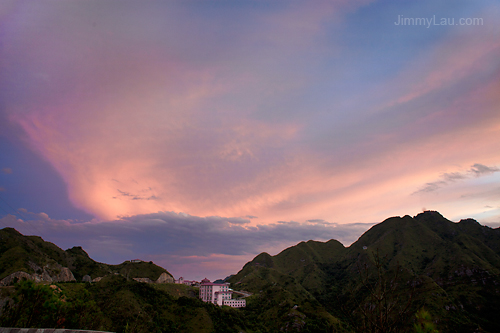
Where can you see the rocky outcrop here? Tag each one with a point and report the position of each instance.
(165, 278)
(45, 276)
(65, 275)
(14, 277)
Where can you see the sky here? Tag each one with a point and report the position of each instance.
(197, 134)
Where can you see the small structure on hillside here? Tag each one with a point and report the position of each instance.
(136, 260)
(187, 282)
(220, 294)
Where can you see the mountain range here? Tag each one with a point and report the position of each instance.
(36, 259)
(396, 268)
(405, 274)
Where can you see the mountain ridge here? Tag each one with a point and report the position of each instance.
(402, 269)
(44, 261)
(427, 255)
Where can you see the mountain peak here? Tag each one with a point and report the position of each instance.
(468, 221)
(429, 214)
(77, 250)
(264, 260)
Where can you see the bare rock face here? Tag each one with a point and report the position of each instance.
(46, 276)
(97, 279)
(8, 280)
(87, 278)
(165, 278)
(65, 275)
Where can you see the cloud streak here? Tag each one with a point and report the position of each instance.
(476, 170)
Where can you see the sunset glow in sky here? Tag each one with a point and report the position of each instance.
(199, 133)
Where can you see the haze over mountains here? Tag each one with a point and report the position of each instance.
(451, 270)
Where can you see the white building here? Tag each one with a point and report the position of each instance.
(219, 293)
(236, 303)
(186, 282)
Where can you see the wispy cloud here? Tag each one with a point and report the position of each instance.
(321, 221)
(476, 170)
(137, 197)
(480, 170)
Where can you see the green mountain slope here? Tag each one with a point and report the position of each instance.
(284, 287)
(33, 255)
(423, 270)
(450, 269)
(29, 254)
(139, 270)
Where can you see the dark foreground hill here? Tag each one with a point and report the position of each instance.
(402, 272)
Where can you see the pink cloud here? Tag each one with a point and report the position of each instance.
(135, 126)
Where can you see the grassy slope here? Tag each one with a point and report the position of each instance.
(279, 283)
(177, 290)
(455, 266)
(19, 253)
(139, 270)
